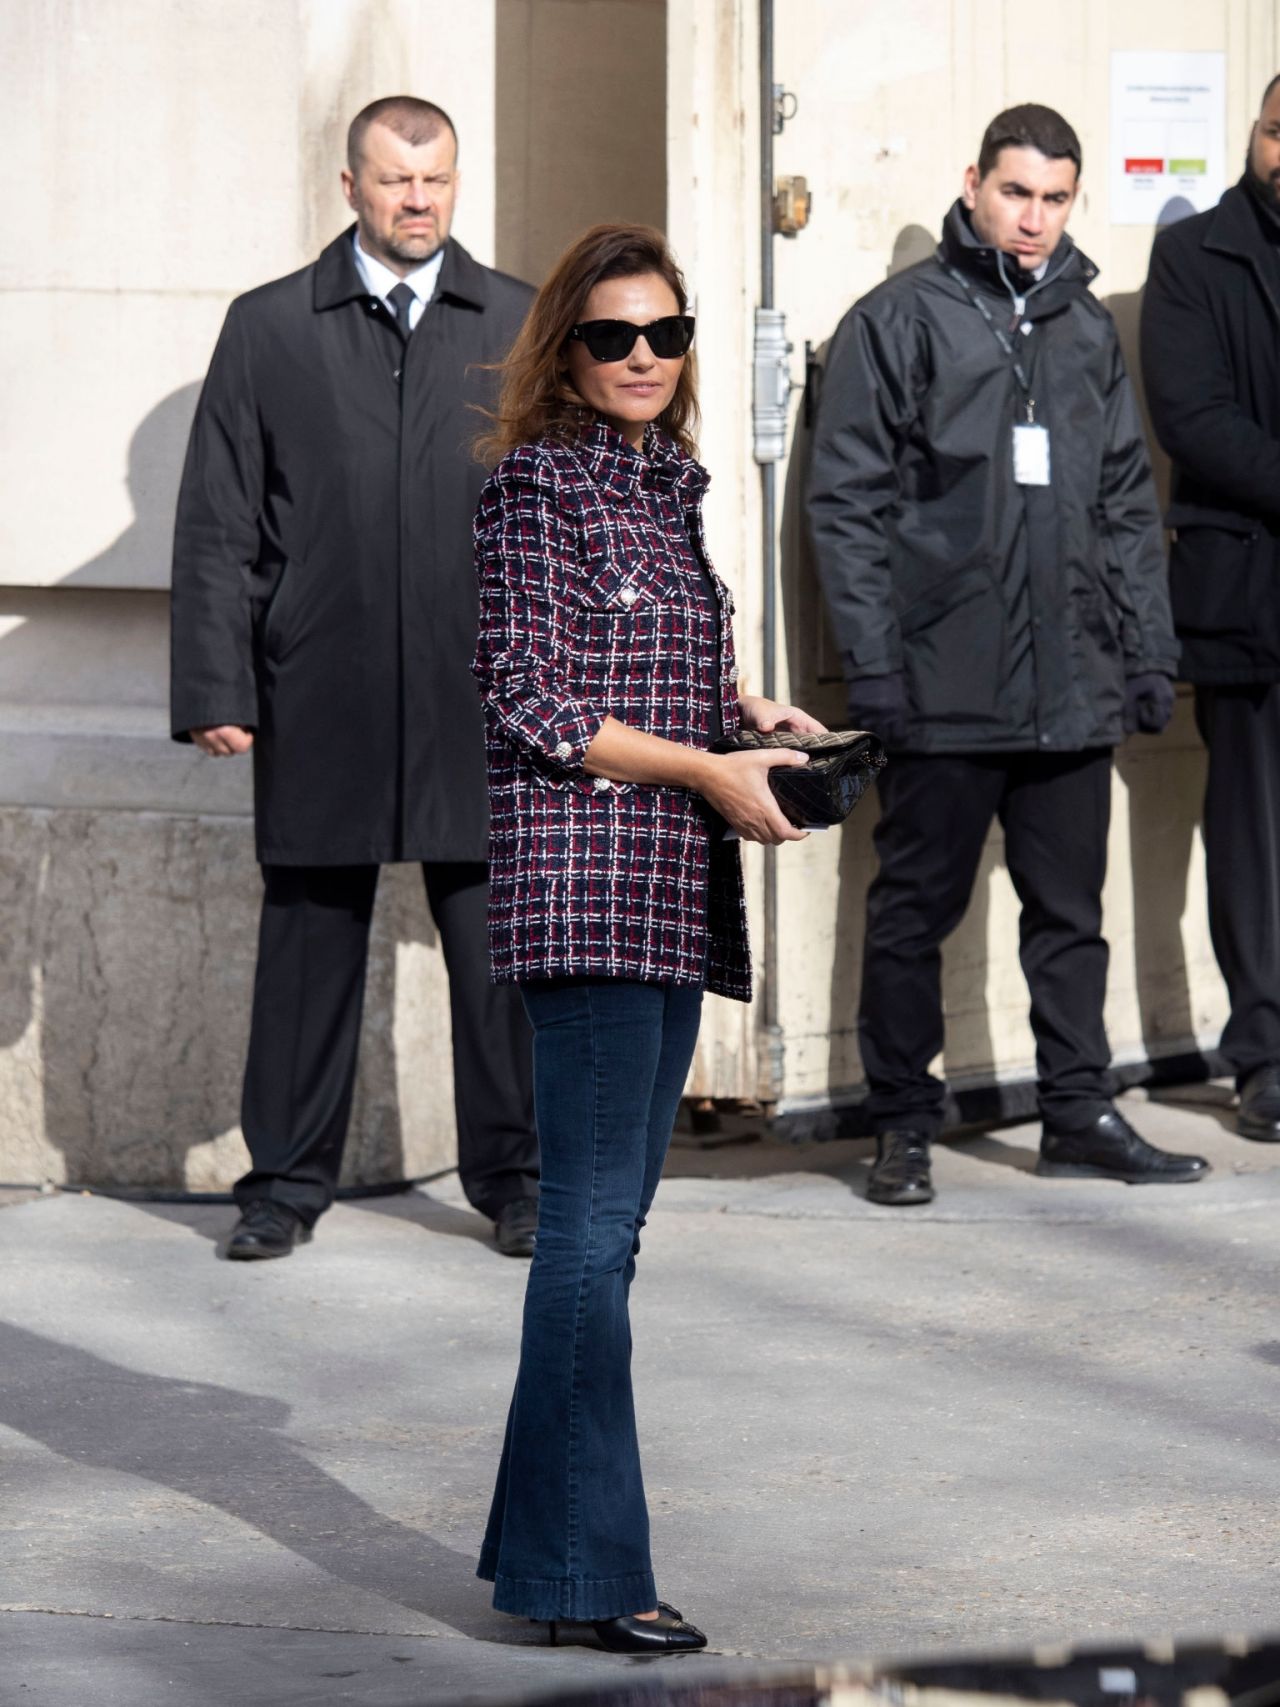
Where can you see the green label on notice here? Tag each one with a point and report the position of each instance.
(1188, 168)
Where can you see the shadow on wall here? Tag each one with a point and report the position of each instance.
(126, 973)
(1163, 808)
(140, 555)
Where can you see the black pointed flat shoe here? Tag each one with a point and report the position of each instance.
(666, 1634)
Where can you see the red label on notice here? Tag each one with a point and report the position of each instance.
(1156, 166)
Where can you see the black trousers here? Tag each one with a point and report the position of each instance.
(1241, 728)
(935, 815)
(313, 949)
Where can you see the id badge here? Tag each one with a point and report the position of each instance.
(1031, 455)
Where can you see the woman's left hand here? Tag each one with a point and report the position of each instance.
(766, 715)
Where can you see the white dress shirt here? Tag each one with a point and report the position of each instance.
(379, 281)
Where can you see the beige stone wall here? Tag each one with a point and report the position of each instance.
(712, 174)
(166, 158)
(892, 102)
(580, 122)
(162, 159)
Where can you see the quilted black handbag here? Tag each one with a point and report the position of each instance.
(825, 791)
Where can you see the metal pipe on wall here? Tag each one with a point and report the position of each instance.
(771, 1075)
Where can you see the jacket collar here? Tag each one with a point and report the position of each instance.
(337, 279)
(1265, 205)
(621, 470)
(1235, 230)
(1069, 271)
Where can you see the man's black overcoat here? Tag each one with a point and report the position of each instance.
(1211, 365)
(324, 593)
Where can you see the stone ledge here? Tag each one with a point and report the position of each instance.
(117, 759)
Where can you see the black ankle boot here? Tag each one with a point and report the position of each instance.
(901, 1171)
(1259, 1116)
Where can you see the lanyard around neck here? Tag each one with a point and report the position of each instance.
(999, 334)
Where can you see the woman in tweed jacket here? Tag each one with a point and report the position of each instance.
(606, 664)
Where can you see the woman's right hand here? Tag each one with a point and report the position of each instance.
(737, 785)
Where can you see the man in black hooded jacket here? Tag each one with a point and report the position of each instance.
(1211, 362)
(989, 544)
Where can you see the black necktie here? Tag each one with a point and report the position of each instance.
(402, 299)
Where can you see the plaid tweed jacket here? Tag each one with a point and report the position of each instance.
(591, 606)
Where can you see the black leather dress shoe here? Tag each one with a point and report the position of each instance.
(266, 1229)
(668, 1633)
(516, 1228)
(1109, 1148)
(1259, 1115)
(901, 1171)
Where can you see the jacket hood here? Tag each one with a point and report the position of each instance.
(999, 273)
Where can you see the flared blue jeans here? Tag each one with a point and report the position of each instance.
(568, 1533)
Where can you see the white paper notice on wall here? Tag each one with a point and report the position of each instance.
(1168, 135)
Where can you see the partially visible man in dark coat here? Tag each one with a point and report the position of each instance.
(324, 616)
(988, 540)
(1211, 365)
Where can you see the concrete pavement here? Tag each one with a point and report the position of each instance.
(1035, 1411)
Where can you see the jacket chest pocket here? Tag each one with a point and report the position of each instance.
(625, 587)
(635, 625)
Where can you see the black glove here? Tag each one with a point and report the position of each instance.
(879, 705)
(1148, 703)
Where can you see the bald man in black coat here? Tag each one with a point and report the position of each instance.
(324, 619)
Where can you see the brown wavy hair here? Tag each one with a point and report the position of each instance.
(537, 400)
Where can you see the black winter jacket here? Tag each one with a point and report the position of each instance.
(324, 592)
(1016, 612)
(1211, 366)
